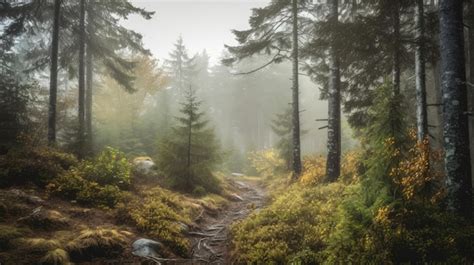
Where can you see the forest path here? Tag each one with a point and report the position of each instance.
(211, 241)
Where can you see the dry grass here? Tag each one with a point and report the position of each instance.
(99, 242)
(57, 256)
(7, 234)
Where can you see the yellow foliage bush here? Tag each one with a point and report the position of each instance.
(414, 176)
(267, 163)
(397, 219)
(161, 215)
(351, 162)
(314, 168)
(293, 230)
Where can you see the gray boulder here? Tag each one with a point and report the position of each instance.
(146, 248)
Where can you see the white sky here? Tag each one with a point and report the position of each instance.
(203, 24)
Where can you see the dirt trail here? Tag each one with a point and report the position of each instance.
(211, 241)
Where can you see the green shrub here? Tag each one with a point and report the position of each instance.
(72, 186)
(160, 215)
(110, 167)
(38, 165)
(293, 229)
(199, 191)
(96, 182)
(97, 195)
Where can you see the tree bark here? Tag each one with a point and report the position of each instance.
(396, 47)
(295, 95)
(89, 79)
(420, 69)
(190, 134)
(333, 163)
(471, 77)
(81, 112)
(53, 85)
(456, 134)
(88, 98)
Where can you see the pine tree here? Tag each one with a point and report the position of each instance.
(363, 63)
(333, 164)
(81, 110)
(456, 134)
(296, 160)
(53, 87)
(104, 39)
(191, 152)
(275, 30)
(181, 67)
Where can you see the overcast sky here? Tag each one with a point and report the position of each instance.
(204, 24)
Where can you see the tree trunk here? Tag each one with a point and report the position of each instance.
(81, 111)
(396, 47)
(190, 133)
(53, 85)
(333, 163)
(89, 78)
(471, 77)
(421, 109)
(295, 90)
(456, 134)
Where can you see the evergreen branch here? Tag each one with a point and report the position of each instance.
(260, 67)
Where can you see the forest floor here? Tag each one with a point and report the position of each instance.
(211, 239)
(209, 234)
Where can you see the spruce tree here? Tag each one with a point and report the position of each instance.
(190, 153)
(181, 67)
(275, 30)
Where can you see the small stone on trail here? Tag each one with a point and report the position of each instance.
(234, 197)
(146, 248)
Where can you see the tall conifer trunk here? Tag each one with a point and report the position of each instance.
(81, 112)
(396, 46)
(53, 85)
(333, 164)
(421, 108)
(470, 88)
(456, 134)
(295, 95)
(89, 78)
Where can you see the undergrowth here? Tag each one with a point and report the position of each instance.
(350, 222)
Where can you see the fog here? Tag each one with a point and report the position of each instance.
(241, 107)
